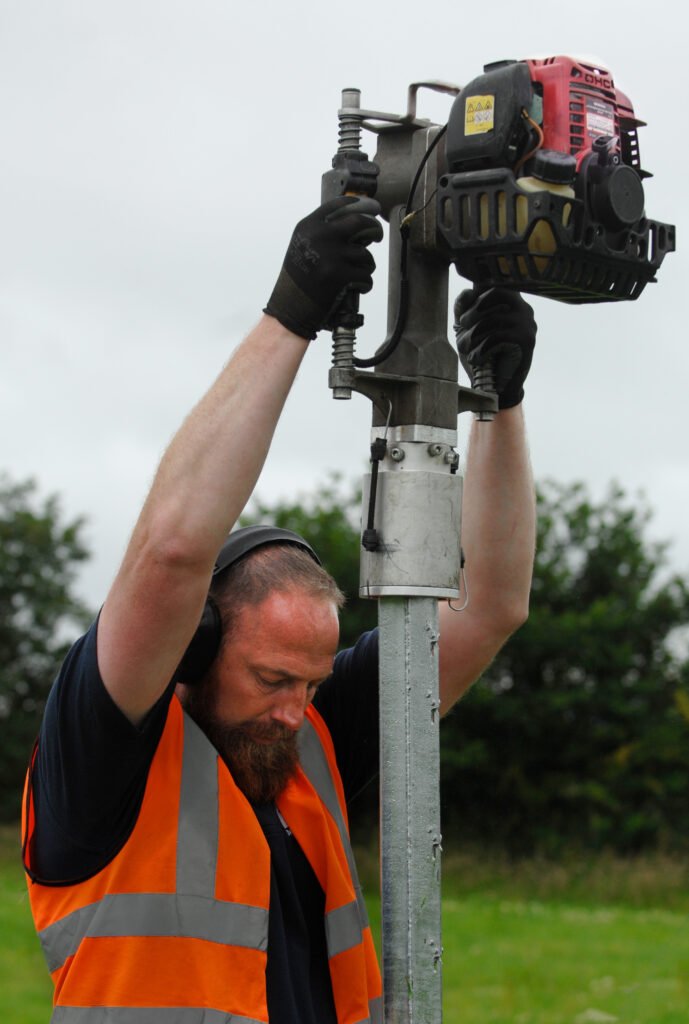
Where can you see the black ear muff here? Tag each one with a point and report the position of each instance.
(205, 642)
(203, 647)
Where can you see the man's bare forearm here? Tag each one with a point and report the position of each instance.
(203, 482)
(498, 538)
(498, 523)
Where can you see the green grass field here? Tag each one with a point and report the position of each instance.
(593, 942)
(25, 988)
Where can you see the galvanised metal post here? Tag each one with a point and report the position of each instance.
(417, 519)
(410, 560)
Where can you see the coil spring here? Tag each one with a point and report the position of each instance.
(349, 134)
(343, 346)
(483, 379)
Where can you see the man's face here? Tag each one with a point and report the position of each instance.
(252, 703)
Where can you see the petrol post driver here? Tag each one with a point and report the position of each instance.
(533, 185)
(543, 185)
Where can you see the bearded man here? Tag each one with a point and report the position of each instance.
(185, 832)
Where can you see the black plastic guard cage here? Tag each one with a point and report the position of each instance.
(543, 243)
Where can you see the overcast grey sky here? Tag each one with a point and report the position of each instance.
(154, 157)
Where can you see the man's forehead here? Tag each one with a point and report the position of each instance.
(293, 618)
(291, 602)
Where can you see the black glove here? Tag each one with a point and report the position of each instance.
(326, 257)
(496, 329)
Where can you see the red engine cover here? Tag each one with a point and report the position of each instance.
(580, 103)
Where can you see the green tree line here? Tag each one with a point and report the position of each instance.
(40, 616)
(577, 734)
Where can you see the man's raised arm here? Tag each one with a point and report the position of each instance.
(495, 328)
(209, 471)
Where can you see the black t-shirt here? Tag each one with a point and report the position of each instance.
(89, 779)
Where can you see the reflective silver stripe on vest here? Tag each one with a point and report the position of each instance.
(192, 912)
(145, 1015)
(376, 1010)
(197, 833)
(343, 928)
(155, 914)
(317, 770)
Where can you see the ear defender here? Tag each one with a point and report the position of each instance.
(205, 643)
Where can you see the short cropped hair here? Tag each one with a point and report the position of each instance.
(281, 568)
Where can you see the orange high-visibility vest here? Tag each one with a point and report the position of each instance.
(174, 930)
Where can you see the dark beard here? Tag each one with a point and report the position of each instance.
(260, 769)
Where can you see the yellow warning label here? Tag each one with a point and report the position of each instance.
(479, 114)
